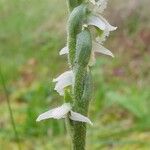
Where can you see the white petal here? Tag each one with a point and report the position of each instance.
(108, 26)
(102, 24)
(78, 117)
(96, 21)
(64, 51)
(56, 113)
(101, 49)
(63, 81)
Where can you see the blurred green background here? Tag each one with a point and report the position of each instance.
(31, 34)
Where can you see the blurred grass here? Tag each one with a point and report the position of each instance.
(31, 35)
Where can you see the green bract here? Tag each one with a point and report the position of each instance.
(74, 27)
(83, 48)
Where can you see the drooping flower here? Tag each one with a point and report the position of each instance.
(63, 81)
(62, 112)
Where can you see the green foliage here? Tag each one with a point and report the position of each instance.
(35, 105)
(134, 100)
(133, 24)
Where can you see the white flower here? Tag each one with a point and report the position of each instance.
(96, 48)
(108, 26)
(101, 49)
(63, 81)
(102, 24)
(62, 112)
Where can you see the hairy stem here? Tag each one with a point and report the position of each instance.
(81, 106)
(80, 45)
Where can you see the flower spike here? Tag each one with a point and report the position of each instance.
(81, 56)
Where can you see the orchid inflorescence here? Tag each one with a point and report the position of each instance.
(76, 84)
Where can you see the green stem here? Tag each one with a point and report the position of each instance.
(10, 109)
(81, 105)
(80, 45)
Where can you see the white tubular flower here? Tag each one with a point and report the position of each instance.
(102, 24)
(63, 81)
(96, 48)
(62, 112)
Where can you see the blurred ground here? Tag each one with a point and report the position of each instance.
(31, 35)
